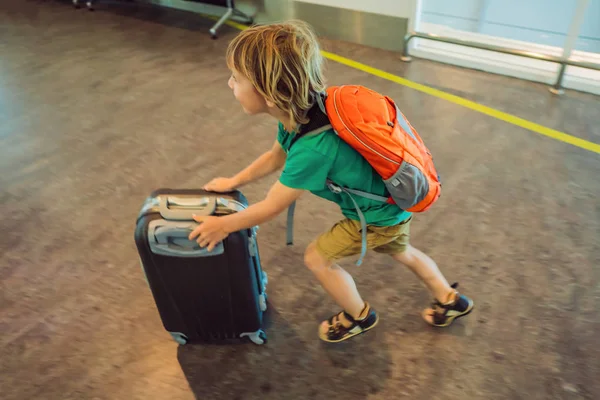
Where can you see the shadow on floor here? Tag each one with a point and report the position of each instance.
(286, 367)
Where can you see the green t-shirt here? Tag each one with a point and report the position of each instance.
(314, 158)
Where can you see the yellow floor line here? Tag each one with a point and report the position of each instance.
(234, 24)
(511, 119)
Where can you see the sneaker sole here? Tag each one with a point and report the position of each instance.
(351, 335)
(451, 319)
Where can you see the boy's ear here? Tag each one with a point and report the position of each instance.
(270, 104)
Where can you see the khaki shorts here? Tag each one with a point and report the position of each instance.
(344, 239)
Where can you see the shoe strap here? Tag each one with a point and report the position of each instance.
(349, 317)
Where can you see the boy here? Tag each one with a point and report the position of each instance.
(277, 69)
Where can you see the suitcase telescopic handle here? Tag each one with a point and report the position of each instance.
(182, 208)
(171, 238)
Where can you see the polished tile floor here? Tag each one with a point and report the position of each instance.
(99, 109)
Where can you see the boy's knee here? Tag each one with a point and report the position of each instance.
(406, 256)
(313, 259)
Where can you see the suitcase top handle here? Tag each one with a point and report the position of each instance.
(182, 208)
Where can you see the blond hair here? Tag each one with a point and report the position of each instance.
(284, 63)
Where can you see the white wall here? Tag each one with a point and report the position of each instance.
(529, 25)
(543, 22)
(394, 8)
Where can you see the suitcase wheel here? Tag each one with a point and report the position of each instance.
(179, 338)
(259, 337)
(262, 338)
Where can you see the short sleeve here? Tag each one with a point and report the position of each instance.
(306, 169)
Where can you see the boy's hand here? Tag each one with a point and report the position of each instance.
(221, 185)
(209, 233)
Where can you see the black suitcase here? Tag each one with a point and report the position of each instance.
(201, 296)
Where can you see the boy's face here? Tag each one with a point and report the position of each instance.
(243, 90)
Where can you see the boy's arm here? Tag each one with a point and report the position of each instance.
(279, 198)
(212, 230)
(264, 165)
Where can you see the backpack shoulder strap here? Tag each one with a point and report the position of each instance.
(290, 224)
(318, 121)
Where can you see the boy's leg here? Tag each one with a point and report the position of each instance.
(427, 270)
(448, 304)
(336, 281)
(356, 317)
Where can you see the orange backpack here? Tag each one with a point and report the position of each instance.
(374, 126)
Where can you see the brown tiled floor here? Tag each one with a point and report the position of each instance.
(99, 109)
